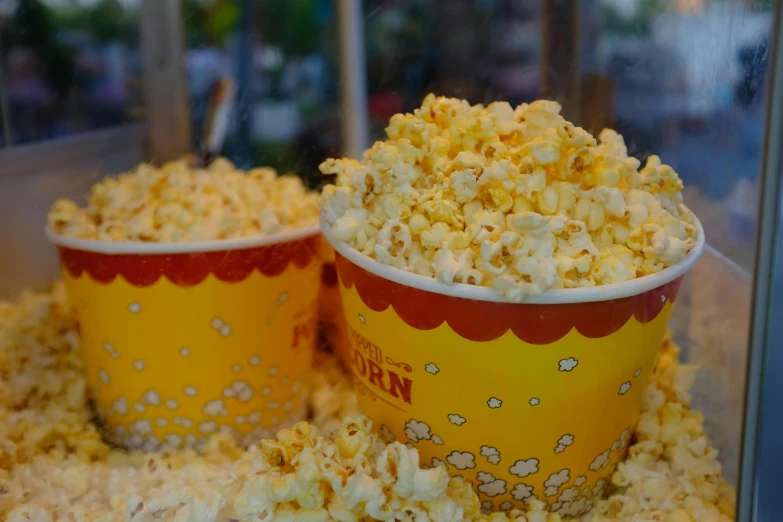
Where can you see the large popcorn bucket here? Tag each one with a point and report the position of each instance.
(535, 399)
(183, 340)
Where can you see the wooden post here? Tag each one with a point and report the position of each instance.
(354, 121)
(597, 98)
(165, 80)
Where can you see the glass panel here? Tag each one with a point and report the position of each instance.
(292, 101)
(479, 51)
(683, 80)
(686, 82)
(688, 85)
(69, 67)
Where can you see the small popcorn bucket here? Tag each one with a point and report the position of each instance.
(537, 399)
(182, 340)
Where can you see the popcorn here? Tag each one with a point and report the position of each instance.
(522, 491)
(461, 460)
(416, 431)
(54, 466)
(491, 486)
(556, 480)
(566, 365)
(600, 461)
(494, 403)
(523, 468)
(179, 203)
(518, 200)
(492, 454)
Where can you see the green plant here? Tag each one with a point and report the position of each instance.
(291, 25)
(209, 22)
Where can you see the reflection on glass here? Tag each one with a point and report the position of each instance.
(683, 80)
(688, 85)
(68, 67)
(479, 51)
(292, 103)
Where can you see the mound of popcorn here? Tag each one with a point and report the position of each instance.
(55, 467)
(179, 203)
(517, 199)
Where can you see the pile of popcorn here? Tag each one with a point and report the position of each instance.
(54, 467)
(519, 200)
(180, 203)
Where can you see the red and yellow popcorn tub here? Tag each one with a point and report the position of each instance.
(522, 400)
(182, 340)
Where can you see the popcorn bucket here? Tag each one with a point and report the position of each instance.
(330, 312)
(182, 340)
(522, 400)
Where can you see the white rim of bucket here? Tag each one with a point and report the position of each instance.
(482, 293)
(139, 248)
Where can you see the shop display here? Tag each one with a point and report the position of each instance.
(438, 261)
(187, 283)
(544, 388)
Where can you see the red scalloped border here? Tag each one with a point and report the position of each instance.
(482, 321)
(189, 269)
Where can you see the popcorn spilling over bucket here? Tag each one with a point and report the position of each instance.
(184, 340)
(522, 400)
(506, 279)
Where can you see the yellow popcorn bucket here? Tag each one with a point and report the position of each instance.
(182, 340)
(527, 400)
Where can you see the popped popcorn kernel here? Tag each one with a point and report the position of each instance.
(479, 196)
(180, 203)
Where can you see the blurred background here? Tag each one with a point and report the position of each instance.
(684, 79)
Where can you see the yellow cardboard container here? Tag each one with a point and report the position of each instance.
(533, 399)
(183, 340)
